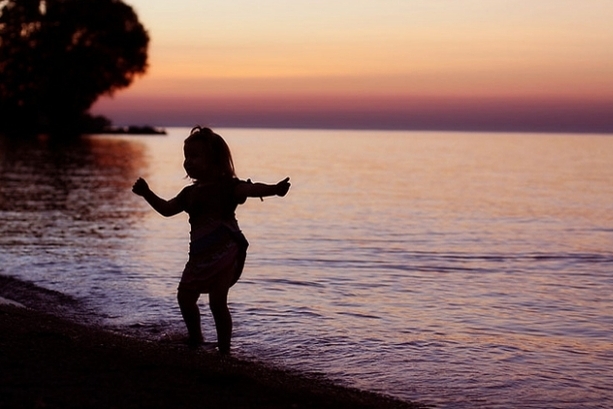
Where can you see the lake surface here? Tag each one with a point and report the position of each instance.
(460, 270)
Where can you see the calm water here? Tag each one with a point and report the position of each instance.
(456, 269)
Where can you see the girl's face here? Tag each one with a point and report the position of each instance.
(195, 163)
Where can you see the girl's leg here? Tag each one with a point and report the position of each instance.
(218, 301)
(188, 302)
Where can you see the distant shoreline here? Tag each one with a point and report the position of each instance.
(133, 130)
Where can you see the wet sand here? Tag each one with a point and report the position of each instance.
(50, 361)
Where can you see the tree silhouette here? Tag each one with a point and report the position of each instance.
(58, 56)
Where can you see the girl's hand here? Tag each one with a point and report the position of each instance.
(140, 187)
(282, 187)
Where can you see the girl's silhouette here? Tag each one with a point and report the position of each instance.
(217, 247)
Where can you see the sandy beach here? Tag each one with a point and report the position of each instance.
(50, 361)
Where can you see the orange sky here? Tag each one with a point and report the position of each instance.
(219, 61)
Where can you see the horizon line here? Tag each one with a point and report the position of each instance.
(522, 130)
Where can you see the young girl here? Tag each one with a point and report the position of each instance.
(217, 248)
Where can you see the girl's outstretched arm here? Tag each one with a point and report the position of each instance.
(262, 189)
(164, 207)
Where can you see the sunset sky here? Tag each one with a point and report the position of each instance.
(398, 64)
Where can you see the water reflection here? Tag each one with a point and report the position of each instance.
(66, 194)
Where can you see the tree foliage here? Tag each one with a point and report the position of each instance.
(58, 56)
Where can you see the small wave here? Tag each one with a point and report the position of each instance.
(284, 281)
(358, 315)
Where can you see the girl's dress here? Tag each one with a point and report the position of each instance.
(217, 248)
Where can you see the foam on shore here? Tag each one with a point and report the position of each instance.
(6, 301)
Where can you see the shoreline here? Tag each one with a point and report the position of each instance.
(53, 360)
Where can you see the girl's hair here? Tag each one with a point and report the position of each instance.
(218, 152)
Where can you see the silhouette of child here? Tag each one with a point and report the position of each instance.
(217, 249)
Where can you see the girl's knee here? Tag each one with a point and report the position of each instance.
(218, 307)
(218, 301)
(187, 297)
